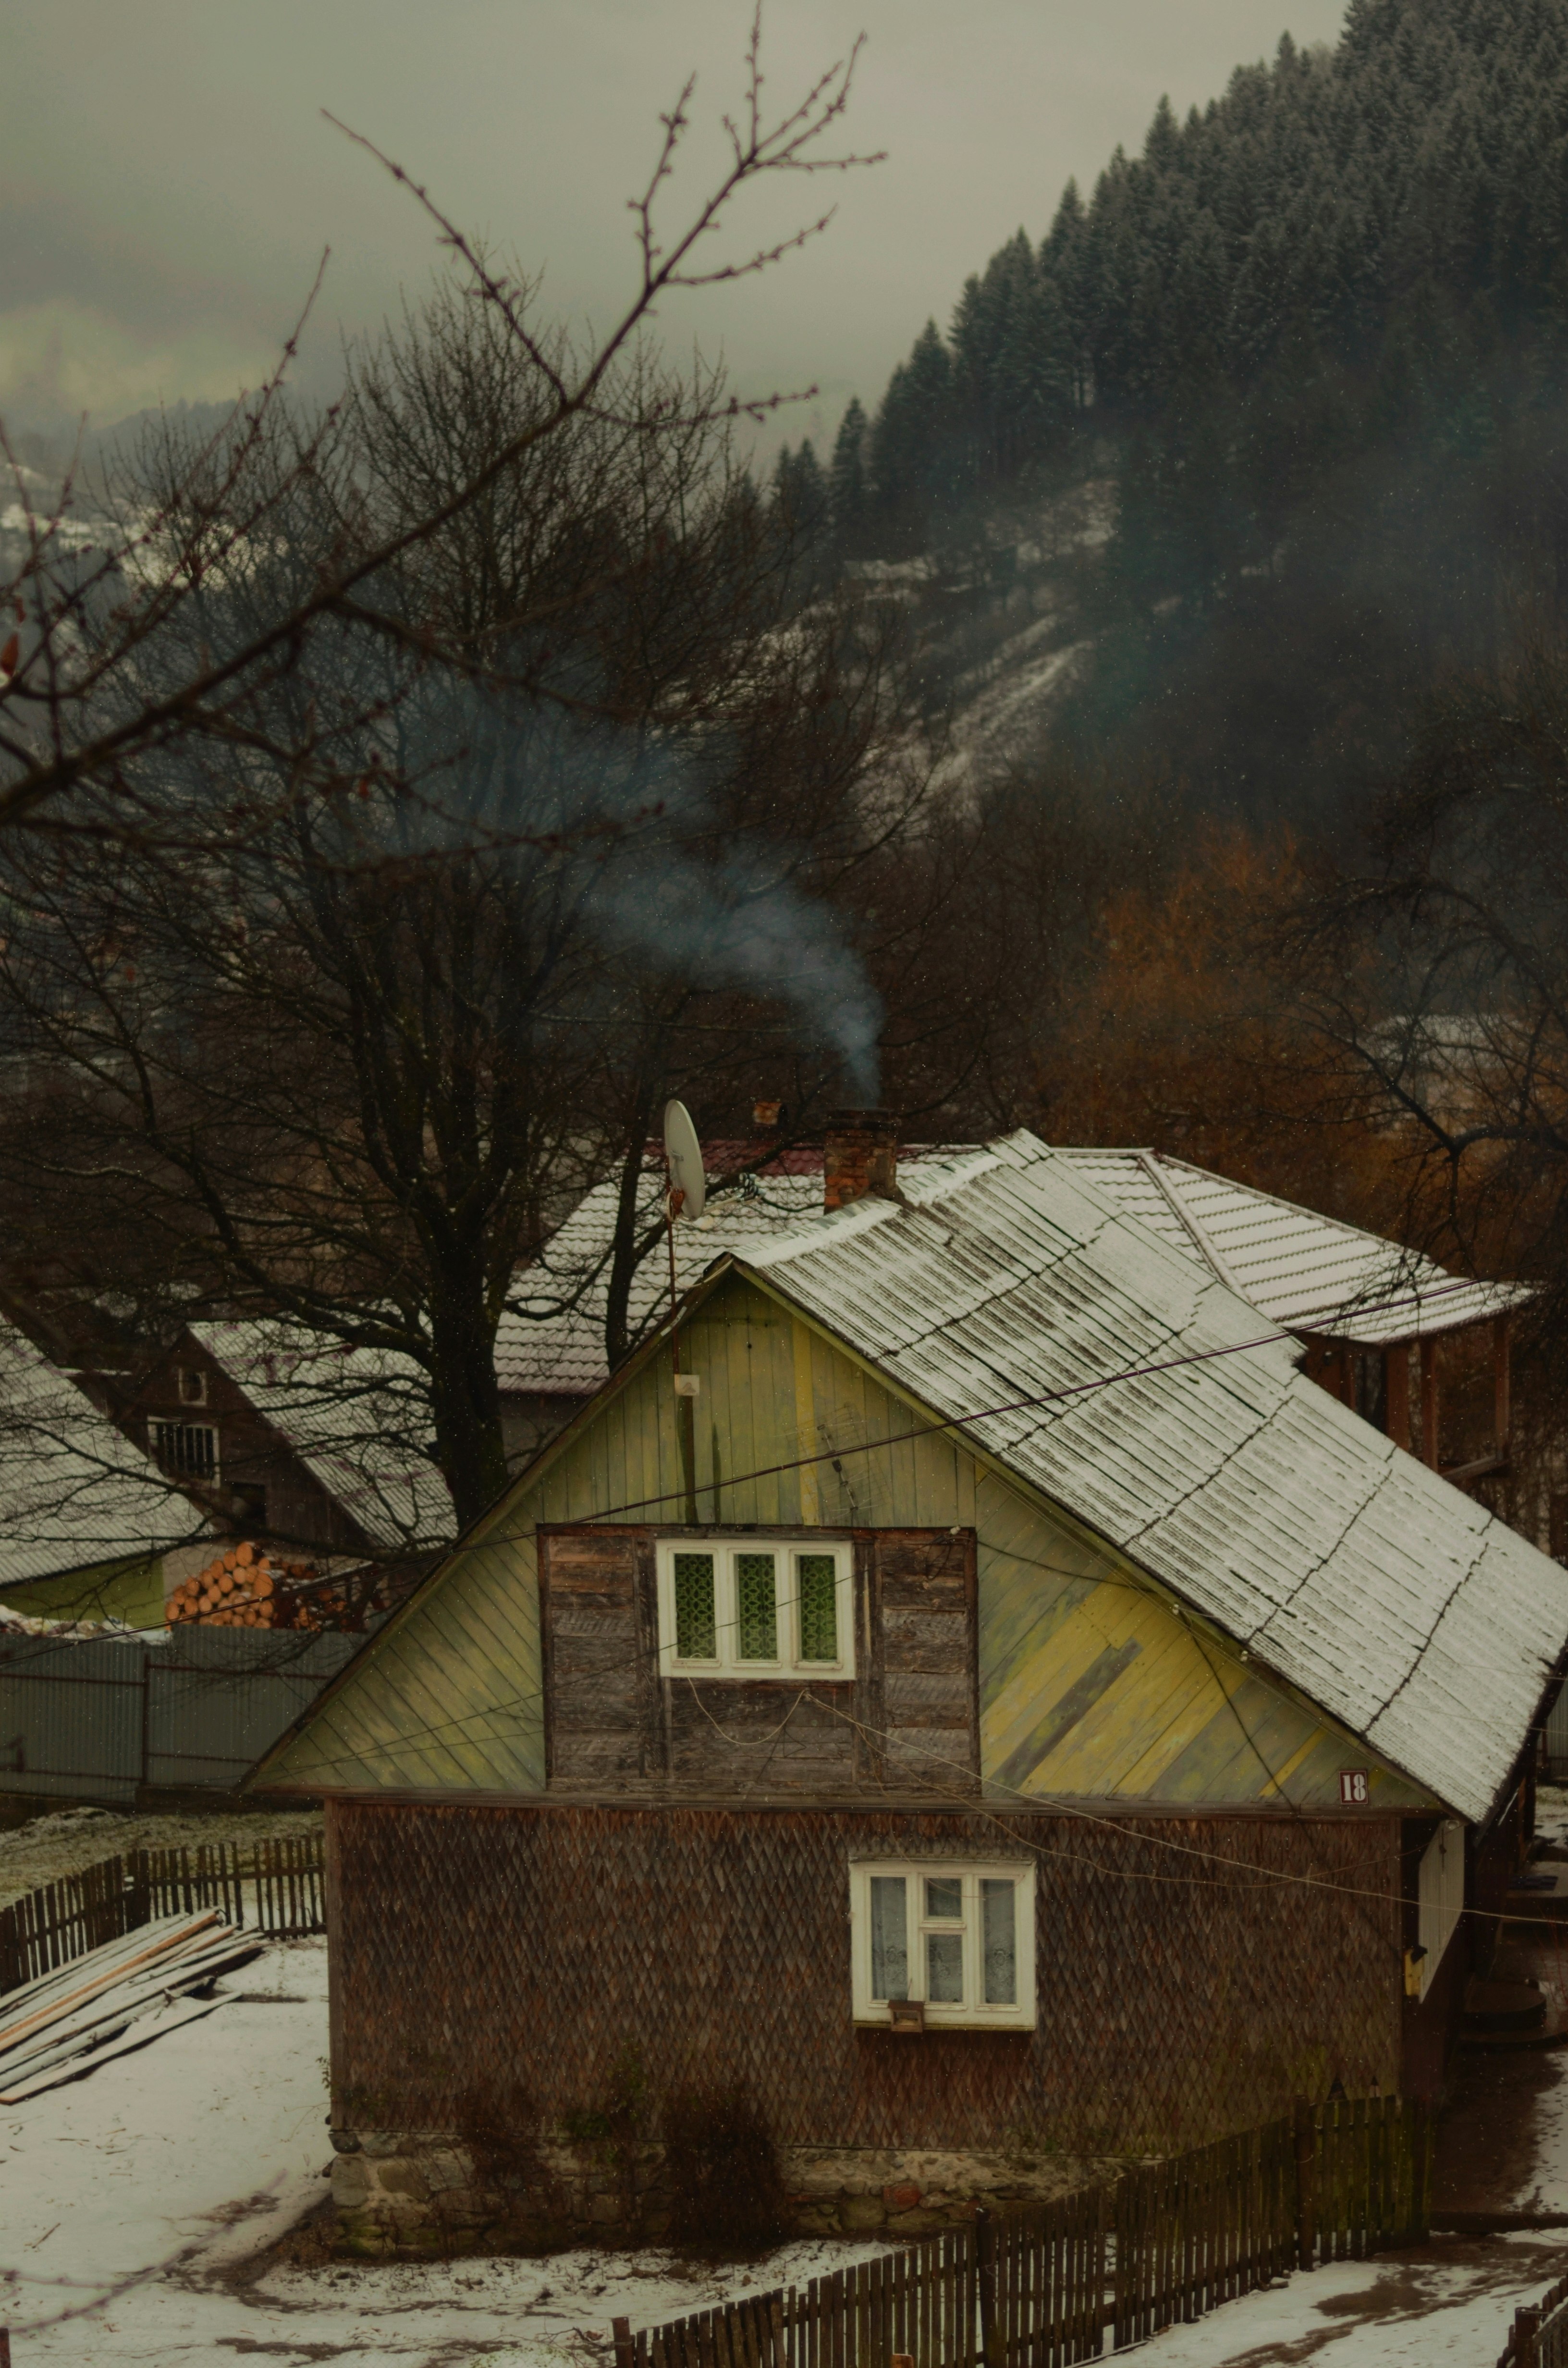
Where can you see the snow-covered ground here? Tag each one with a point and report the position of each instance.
(66, 1840)
(193, 2157)
(200, 2150)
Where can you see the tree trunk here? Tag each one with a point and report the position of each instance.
(465, 1401)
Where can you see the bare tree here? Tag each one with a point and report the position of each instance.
(1451, 1008)
(90, 707)
(345, 1065)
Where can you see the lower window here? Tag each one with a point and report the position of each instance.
(956, 1935)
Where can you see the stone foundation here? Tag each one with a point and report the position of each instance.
(400, 2192)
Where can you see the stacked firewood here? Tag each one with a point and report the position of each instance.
(243, 1588)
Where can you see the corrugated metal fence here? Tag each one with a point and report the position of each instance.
(1042, 2287)
(97, 1718)
(272, 1885)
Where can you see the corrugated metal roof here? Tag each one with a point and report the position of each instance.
(74, 1489)
(1312, 1272)
(554, 1339)
(354, 1416)
(1304, 1270)
(1390, 1599)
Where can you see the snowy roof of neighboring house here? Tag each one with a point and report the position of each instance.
(1311, 1272)
(1395, 1602)
(74, 1489)
(1308, 1272)
(356, 1418)
(561, 1348)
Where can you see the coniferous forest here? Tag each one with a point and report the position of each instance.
(1308, 349)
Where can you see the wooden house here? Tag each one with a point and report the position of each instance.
(279, 1433)
(90, 1529)
(969, 1693)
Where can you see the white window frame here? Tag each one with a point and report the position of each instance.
(974, 2013)
(727, 1664)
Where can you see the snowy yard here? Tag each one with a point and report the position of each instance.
(43, 1849)
(200, 2151)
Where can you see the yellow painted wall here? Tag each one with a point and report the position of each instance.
(129, 1590)
(1091, 1685)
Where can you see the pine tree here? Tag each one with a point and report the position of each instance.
(849, 495)
(913, 445)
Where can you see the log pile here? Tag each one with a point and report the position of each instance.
(242, 1589)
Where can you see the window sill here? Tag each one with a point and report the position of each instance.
(1017, 2024)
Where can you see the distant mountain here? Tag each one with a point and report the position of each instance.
(1301, 364)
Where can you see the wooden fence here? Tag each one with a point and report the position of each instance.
(272, 1887)
(1539, 2334)
(1041, 2288)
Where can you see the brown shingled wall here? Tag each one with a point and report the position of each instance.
(499, 1949)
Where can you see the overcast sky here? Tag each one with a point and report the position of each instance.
(168, 183)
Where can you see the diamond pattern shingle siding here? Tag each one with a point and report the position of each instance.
(554, 1949)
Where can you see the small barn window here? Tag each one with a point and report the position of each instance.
(754, 1607)
(188, 1450)
(957, 1936)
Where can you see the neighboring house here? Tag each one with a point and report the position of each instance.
(289, 1436)
(89, 1528)
(1009, 1716)
(549, 1351)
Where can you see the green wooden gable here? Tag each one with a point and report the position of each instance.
(1095, 1684)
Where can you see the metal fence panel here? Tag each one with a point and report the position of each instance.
(71, 1718)
(218, 1698)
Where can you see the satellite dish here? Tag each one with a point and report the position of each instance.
(684, 1153)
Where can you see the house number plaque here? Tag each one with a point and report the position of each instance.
(1352, 1788)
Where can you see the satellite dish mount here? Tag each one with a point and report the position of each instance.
(686, 1198)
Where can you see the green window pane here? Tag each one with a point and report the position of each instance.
(999, 1941)
(818, 1579)
(756, 1608)
(943, 1895)
(890, 1938)
(695, 1631)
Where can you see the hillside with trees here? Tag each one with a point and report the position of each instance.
(1299, 366)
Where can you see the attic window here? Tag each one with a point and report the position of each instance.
(756, 1607)
(192, 1383)
(955, 1934)
(186, 1450)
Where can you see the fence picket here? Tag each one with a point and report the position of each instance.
(61, 1920)
(1039, 2288)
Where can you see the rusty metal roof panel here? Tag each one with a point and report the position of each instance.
(1185, 1434)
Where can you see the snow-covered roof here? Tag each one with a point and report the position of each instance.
(1168, 1425)
(356, 1418)
(1310, 1272)
(74, 1489)
(557, 1342)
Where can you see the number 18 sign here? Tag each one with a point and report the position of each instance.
(1352, 1788)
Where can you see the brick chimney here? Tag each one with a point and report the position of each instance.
(861, 1151)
